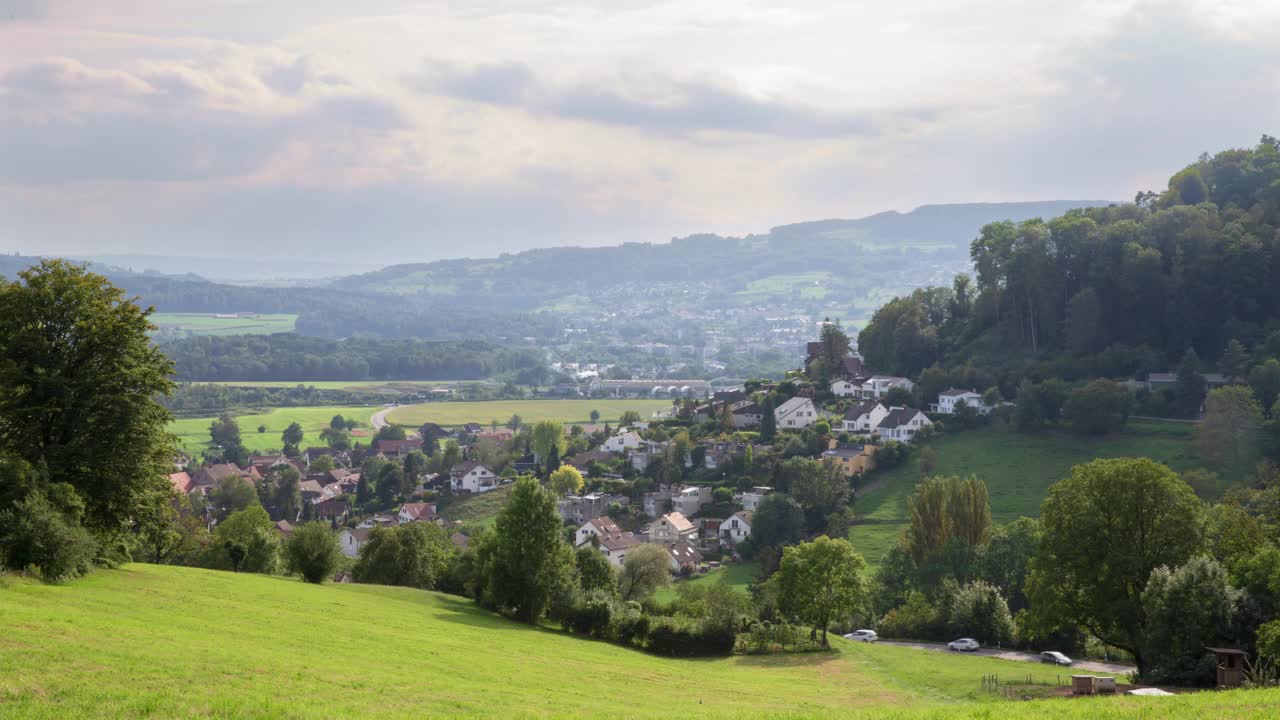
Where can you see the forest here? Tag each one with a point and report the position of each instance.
(1114, 291)
(291, 357)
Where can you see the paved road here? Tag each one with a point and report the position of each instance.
(379, 419)
(1087, 665)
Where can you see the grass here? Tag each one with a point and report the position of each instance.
(154, 641)
(1017, 468)
(389, 386)
(477, 511)
(193, 433)
(809, 285)
(735, 575)
(207, 324)
(452, 414)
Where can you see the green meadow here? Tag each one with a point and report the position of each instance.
(1018, 469)
(387, 386)
(207, 324)
(193, 433)
(167, 642)
(485, 412)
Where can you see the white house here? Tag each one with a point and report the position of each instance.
(691, 499)
(416, 512)
(949, 398)
(352, 539)
(615, 547)
(672, 528)
(472, 477)
(596, 527)
(796, 413)
(736, 528)
(623, 442)
(902, 423)
(878, 385)
(846, 388)
(864, 417)
(751, 499)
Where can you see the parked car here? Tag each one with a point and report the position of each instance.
(862, 636)
(1054, 657)
(963, 645)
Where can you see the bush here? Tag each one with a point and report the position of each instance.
(36, 532)
(914, 619)
(591, 617)
(630, 627)
(979, 611)
(679, 637)
(312, 552)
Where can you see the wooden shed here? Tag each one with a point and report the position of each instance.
(1230, 666)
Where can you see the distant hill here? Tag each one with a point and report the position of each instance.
(940, 231)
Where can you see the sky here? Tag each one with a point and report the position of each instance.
(383, 131)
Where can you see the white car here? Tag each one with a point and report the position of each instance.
(963, 645)
(1054, 657)
(862, 636)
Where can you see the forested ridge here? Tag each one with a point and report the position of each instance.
(1112, 291)
(299, 358)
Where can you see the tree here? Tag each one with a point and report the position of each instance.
(548, 434)
(1189, 386)
(312, 552)
(245, 541)
(595, 416)
(898, 396)
(1099, 407)
(46, 533)
(1007, 559)
(629, 418)
(594, 571)
(777, 522)
(1104, 530)
(1234, 362)
(821, 489)
(225, 434)
(233, 494)
(262, 429)
(525, 561)
(820, 581)
(1265, 381)
(338, 422)
(336, 438)
(415, 464)
(515, 422)
(416, 555)
(946, 507)
(292, 437)
(287, 494)
(389, 432)
(390, 479)
(646, 568)
(978, 610)
(1229, 432)
(565, 480)
(322, 464)
(1187, 609)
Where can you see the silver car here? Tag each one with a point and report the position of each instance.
(963, 645)
(1055, 658)
(862, 636)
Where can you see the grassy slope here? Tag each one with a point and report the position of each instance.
(569, 411)
(148, 641)
(478, 510)
(193, 433)
(350, 385)
(206, 324)
(736, 575)
(1017, 468)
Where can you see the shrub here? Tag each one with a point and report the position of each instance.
(591, 617)
(37, 533)
(915, 618)
(978, 610)
(630, 627)
(679, 637)
(312, 552)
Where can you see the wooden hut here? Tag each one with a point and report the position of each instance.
(1230, 666)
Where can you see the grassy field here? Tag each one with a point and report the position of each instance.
(477, 510)
(193, 433)
(207, 324)
(389, 386)
(450, 414)
(736, 575)
(1017, 468)
(165, 642)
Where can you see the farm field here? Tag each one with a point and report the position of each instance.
(736, 575)
(389, 386)
(193, 433)
(207, 324)
(1017, 468)
(452, 414)
(125, 643)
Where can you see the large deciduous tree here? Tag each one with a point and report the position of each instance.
(79, 379)
(647, 568)
(821, 581)
(1104, 530)
(1229, 433)
(312, 552)
(525, 561)
(564, 480)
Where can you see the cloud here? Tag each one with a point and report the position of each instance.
(66, 122)
(656, 104)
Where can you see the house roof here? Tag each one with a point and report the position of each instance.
(399, 446)
(852, 366)
(684, 553)
(582, 459)
(792, 405)
(860, 409)
(360, 534)
(604, 525)
(419, 510)
(180, 481)
(745, 407)
(898, 417)
(845, 452)
(465, 467)
(222, 471)
(956, 392)
(432, 430)
(678, 521)
(744, 516)
(619, 541)
(283, 527)
(311, 486)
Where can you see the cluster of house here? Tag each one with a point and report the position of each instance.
(322, 490)
(351, 540)
(683, 540)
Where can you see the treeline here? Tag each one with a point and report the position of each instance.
(1111, 291)
(296, 357)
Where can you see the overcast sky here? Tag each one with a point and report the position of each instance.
(386, 131)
